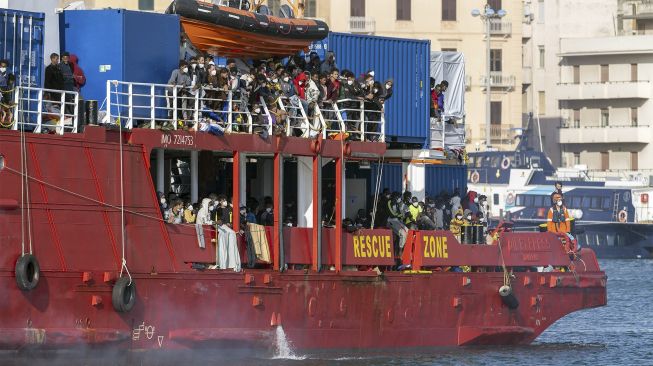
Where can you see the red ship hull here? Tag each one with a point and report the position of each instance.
(77, 244)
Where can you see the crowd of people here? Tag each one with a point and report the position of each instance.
(302, 84)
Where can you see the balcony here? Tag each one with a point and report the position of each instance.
(362, 25)
(606, 135)
(526, 31)
(501, 134)
(609, 90)
(500, 80)
(500, 28)
(642, 10)
(527, 75)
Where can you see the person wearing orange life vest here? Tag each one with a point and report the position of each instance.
(558, 216)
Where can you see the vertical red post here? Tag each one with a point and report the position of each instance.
(317, 225)
(235, 195)
(277, 211)
(338, 203)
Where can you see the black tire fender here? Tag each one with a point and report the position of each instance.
(123, 295)
(28, 272)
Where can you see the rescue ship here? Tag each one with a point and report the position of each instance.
(87, 259)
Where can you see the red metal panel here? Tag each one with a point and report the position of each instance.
(185, 243)
(338, 203)
(440, 248)
(299, 252)
(278, 159)
(369, 247)
(317, 225)
(235, 196)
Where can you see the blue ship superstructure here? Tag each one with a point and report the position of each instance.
(611, 216)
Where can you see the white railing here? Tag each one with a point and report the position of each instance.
(173, 107)
(499, 80)
(361, 121)
(502, 28)
(362, 25)
(447, 135)
(44, 110)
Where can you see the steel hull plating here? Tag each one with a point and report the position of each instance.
(360, 310)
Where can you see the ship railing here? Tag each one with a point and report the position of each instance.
(362, 119)
(175, 107)
(299, 123)
(330, 119)
(44, 110)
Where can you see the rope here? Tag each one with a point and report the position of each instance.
(379, 175)
(22, 190)
(506, 275)
(122, 193)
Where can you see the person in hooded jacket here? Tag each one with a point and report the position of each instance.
(286, 85)
(388, 89)
(457, 223)
(373, 106)
(78, 74)
(395, 221)
(329, 63)
(471, 202)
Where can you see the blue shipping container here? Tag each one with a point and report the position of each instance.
(21, 43)
(445, 178)
(391, 177)
(117, 44)
(404, 60)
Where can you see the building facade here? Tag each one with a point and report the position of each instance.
(545, 23)
(450, 26)
(605, 96)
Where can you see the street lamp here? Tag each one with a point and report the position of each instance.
(487, 15)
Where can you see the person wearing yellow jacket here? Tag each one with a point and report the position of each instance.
(456, 223)
(414, 212)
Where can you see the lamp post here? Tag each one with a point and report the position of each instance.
(487, 15)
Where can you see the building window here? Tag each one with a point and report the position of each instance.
(494, 4)
(403, 9)
(541, 105)
(310, 10)
(633, 72)
(540, 11)
(605, 118)
(605, 73)
(605, 160)
(357, 8)
(576, 118)
(541, 48)
(496, 198)
(633, 117)
(576, 158)
(576, 74)
(449, 10)
(145, 4)
(495, 113)
(634, 161)
(495, 60)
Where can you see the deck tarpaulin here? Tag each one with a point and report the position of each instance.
(450, 66)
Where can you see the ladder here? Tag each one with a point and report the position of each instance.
(615, 207)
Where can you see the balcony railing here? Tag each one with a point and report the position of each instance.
(607, 90)
(500, 28)
(362, 25)
(500, 80)
(642, 9)
(613, 132)
(500, 134)
(43, 110)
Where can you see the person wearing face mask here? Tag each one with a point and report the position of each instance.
(395, 221)
(353, 93)
(189, 214)
(204, 214)
(413, 214)
(333, 86)
(558, 220)
(7, 82)
(286, 86)
(373, 105)
(181, 80)
(457, 223)
(329, 63)
(267, 217)
(438, 216)
(223, 212)
(388, 89)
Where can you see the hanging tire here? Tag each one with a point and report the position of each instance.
(28, 272)
(508, 298)
(123, 295)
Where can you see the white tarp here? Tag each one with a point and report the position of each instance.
(450, 66)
